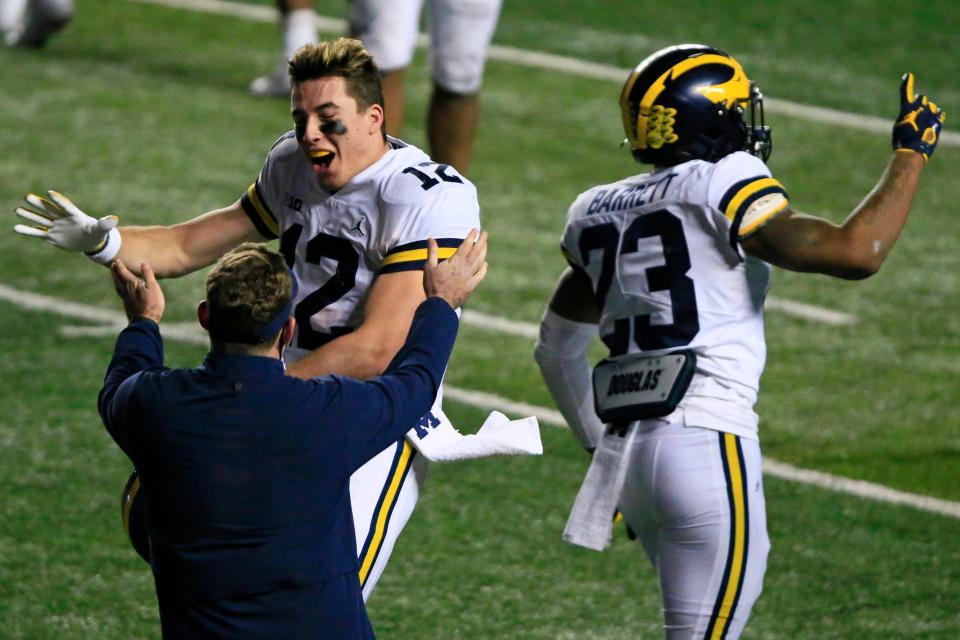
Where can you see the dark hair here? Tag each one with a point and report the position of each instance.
(246, 290)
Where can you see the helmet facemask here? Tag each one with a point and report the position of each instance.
(759, 140)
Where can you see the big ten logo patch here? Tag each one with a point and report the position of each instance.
(426, 423)
(293, 203)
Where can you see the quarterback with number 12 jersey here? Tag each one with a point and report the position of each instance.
(337, 244)
(377, 223)
(662, 251)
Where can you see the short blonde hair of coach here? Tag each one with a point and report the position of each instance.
(247, 288)
(343, 57)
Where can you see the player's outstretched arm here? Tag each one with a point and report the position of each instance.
(857, 248)
(174, 250)
(185, 247)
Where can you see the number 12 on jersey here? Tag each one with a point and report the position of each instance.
(669, 276)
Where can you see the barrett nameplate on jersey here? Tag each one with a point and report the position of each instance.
(636, 387)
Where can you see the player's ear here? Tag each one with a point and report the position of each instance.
(203, 313)
(375, 118)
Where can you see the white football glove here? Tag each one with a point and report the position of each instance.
(64, 225)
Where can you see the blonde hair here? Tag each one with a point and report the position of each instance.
(247, 288)
(343, 57)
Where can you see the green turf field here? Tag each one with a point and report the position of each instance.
(142, 110)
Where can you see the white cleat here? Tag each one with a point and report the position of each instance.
(30, 23)
(276, 85)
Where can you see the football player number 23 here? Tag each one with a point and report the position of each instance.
(320, 246)
(669, 276)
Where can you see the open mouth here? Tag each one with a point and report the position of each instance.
(322, 158)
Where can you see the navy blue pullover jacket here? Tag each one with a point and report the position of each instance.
(246, 476)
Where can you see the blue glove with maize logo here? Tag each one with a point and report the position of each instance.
(919, 123)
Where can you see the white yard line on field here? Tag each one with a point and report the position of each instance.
(110, 322)
(860, 488)
(553, 62)
(809, 312)
(501, 325)
(531, 330)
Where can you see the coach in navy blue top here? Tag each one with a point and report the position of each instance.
(246, 471)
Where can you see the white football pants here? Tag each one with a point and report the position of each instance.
(694, 497)
(383, 493)
(460, 32)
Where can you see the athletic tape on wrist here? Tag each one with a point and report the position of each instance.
(109, 250)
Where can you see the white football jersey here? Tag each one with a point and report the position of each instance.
(338, 243)
(662, 252)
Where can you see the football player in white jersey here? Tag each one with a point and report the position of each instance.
(353, 210)
(671, 269)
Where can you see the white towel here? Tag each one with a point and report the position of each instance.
(590, 523)
(497, 436)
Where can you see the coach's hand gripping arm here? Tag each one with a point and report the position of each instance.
(857, 248)
(173, 251)
(568, 327)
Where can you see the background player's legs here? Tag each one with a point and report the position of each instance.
(30, 23)
(384, 492)
(13, 14)
(388, 29)
(461, 31)
(451, 127)
(703, 490)
(395, 99)
(298, 26)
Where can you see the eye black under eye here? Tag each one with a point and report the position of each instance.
(333, 127)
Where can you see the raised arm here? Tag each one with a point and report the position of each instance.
(854, 249)
(857, 248)
(139, 347)
(382, 410)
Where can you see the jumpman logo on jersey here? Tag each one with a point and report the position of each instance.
(357, 226)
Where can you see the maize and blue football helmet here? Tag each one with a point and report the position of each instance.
(688, 102)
